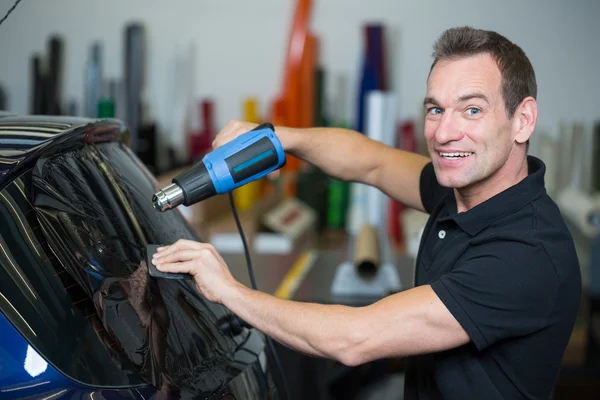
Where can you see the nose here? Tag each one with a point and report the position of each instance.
(447, 130)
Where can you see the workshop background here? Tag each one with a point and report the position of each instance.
(176, 72)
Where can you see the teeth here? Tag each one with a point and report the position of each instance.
(455, 155)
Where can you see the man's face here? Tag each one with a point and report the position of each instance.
(467, 131)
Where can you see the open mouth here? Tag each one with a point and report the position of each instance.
(454, 156)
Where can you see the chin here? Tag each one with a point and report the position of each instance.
(453, 182)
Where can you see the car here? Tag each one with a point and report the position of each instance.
(80, 317)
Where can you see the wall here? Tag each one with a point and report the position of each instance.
(241, 46)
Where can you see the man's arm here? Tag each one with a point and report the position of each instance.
(350, 156)
(411, 322)
(408, 323)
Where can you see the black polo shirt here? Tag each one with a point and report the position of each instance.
(508, 272)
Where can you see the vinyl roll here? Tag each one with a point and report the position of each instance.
(565, 160)
(367, 203)
(373, 72)
(367, 256)
(54, 76)
(93, 81)
(381, 126)
(37, 105)
(134, 77)
(340, 98)
(247, 195)
(337, 203)
(319, 103)
(357, 208)
(3, 99)
(595, 173)
(549, 154)
(312, 188)
(578, 156)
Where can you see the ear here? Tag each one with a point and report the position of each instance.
(525, 119)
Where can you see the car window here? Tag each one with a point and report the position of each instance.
(45, 302)
(73, 277)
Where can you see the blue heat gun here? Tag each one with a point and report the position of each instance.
(247, 158)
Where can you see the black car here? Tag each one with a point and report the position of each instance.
(79, 315)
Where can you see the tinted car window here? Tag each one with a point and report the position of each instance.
(74, 279)
(45, 302)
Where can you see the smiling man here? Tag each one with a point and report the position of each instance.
(498, 283)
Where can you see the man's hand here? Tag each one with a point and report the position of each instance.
(231, 131)
(202, 261)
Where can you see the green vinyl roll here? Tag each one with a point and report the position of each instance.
(106, 109)
(337, 203)
(338, 195)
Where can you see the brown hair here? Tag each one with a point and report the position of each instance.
(518, 77)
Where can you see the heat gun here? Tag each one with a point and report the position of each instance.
(247, 158)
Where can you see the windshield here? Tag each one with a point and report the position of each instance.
(73, 277)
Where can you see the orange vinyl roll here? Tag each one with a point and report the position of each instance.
(278, 112)
(306, 92)
(296, 48)
(292, 78)
(307, 82)
(287, 108)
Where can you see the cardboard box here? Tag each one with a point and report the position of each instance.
(222, 232)
(287, 227)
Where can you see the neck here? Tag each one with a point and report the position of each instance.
(511, 173)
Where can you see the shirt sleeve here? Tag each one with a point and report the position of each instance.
(430, 190)
(508, 290)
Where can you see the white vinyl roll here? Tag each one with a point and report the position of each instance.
(548, 149)
(380, 126)
(357, 208)
(183, 114)
(565, 160)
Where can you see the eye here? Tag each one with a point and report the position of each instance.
(472, 111)
(434, 110)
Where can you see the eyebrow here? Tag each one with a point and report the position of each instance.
(474, 95)
(430, 100)
(463, 98)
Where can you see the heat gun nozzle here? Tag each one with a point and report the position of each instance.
(169, 197)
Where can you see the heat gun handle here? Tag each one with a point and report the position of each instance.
(247, 158)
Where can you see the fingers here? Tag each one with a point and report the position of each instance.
(181, 244)
(182, 257)
(232, 130)
(186, 267)
(225, 134)
(179, 256)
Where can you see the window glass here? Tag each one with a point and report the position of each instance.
(72, 266)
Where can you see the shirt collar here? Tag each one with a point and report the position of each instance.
(504, 203)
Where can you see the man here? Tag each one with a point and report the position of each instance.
(497, 280)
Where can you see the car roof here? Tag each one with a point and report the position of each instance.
(25, 138)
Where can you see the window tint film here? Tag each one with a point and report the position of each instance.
(79, 223)
(47, 305)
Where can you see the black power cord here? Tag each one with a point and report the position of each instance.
(9, 11)
(253, 283)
